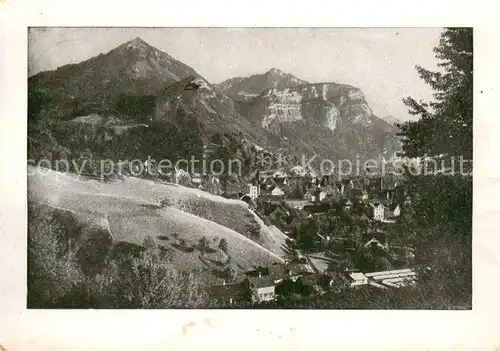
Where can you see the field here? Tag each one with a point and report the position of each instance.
(132, 211)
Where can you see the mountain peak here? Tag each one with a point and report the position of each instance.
(243, 89)
(276, 71)
(136, 43)
(137, 40)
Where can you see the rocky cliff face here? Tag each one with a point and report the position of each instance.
(330, 119)
(326, 104)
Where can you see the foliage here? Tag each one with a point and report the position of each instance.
(59, 274)
(445, 126)
(53, 268)
(204, 243)
(223, 244)
(443, 204)
(145, 282)
(305, 235)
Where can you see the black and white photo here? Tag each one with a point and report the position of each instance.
(249, 168)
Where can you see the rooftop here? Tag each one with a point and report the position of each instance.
(225, 290)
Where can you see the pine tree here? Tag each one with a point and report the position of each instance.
(443, 203)
(445, 124)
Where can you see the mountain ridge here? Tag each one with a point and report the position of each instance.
(138, 83)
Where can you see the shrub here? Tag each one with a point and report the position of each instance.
(131, 280)
(146, 282)
(223, 245)
(53, 270)
(204, 243)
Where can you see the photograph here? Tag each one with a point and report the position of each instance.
(249, 168)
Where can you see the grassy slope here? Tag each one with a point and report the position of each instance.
(131, 210)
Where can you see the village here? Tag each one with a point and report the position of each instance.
(342, 232)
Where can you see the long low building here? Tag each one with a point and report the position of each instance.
(393, 278)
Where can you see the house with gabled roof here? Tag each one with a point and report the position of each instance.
(225, 293)
(277, 191)
(267, 184)
(374, 242)
(392, 210)
(309, 195)
(263, 288)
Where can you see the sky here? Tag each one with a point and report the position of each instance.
(379, 61)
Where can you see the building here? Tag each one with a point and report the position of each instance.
(364, 195)
(279, 174)
(397, 211)
(384, 279)
(298, 204)
(224, 293)
(348, 205)
(378, 211)
(253, 191)
(392, 211)
(263, 288)
(263, 282)
(321, 195)
(358, 279)
(277, 191)
(267, 183)
(196, 180)
(377, 243)
(308, 195)
(393, 278)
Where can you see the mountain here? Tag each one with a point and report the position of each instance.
(135, 95)
(392, 120)
(244, 89)
(329, 119)
(133, 68)
(134, 83)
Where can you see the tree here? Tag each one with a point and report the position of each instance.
(204, 244)
(223, 245)
(145, 282)
(338, 282)
(305, 235)
(245, 294)
(445, 125)
(443, 203)
(53, 268)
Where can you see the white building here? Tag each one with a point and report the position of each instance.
(253, 191)
(378, 212)
(322, 195)
(358, 279)
(394, 278)
(265, 293)
(279, 174)
(397, 211)
(365, 195)
(277, 192)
